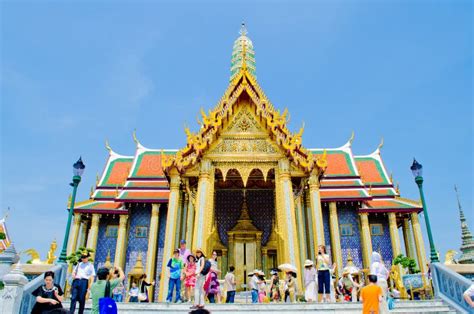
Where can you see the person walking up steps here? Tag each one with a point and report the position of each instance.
(83, 275)
(371, 296)
(230, 285)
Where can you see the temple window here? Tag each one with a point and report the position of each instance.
(376, 229)
(111, 231)
(346, 230)
(141, 232)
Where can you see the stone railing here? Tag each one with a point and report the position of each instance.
(28, 300)
(450, 286)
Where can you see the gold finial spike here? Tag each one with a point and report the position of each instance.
(135, 139)
(107, 146)
(97, 179)
(391, 177)
(397, 189)
(352, 138)
(380, 145)
(243, 29)
(92, 191)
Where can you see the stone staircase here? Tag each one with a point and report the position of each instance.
(430, 306)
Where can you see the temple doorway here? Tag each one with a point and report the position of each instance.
(245, 221)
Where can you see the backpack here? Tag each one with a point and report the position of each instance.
(107, 305)
(206, 268)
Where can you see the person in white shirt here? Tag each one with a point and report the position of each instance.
(254, 281)
(230, 285)
(83, 275)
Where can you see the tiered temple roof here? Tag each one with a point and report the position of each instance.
(345, 177)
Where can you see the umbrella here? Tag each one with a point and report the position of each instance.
(287, 268)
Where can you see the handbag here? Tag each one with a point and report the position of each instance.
(142, 295)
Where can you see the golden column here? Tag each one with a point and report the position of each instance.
(408, 238)
(309, 214)
(265, 260)
(202, 222)
(190, 223)
(93, 233)
(287, 212)
(120, 247)
(171, 224)
(335, 238)
(83, 237)
(365, 239)
(152, 245)
(419, 243)
(317, 214)
(303, 246)
(394, 236)
(72, 244)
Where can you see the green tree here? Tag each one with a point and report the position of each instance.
(75, 257)
(407, 263)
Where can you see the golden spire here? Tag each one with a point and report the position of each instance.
(92, 191)
(97, 179)
(107, 146)
(108, 264)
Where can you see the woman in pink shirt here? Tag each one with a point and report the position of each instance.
(190, 276)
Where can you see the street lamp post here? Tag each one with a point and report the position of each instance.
(417, 170)
(78, 170)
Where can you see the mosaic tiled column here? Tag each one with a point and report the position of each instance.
(317, 215)
(120, 248)
(419, 243)
(335, 238)
(190, 223)
(83, 236)
(287, 212)
(310, 226)
(201, 205)
(301, 230)
(394, 236)
(72, 244)
(184, 216)
(152, 245)
(171, 224)
(365, 239)
(93, 233)
(265, 260)
(408, 239)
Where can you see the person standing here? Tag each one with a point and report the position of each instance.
(371, 296)
(378, 269)
(48, 296)
(310, 279)
(275, 294)
(83, 275)
(118, 291)
(175, 265)
(183, 251)
(291, 286)
(189, 276)
(230, 285)
(143, 295)
(262, 287)
(200, 279)
(468, 295)
(133, 293)
(98, 288)
(324, 276)
(254, 286)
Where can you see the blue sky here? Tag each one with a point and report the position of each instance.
(76, 73)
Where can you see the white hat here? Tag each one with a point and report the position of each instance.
(308, 263)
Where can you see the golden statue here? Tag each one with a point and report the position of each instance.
(449, 257)
(50, 257)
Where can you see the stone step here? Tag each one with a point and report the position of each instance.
(429, 306)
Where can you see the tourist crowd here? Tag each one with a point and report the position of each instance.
(199, 275)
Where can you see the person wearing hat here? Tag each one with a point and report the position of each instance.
(175, 265)
(262, 291)
(291, 287)
(310, 278)
(183, 251)
(254, 281)
(83, 275)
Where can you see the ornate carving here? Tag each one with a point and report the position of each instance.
(244, 146)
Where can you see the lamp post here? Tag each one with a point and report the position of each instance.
(77, 170)
(417, 170)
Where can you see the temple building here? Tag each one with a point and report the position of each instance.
(245, 186)
(467, 245)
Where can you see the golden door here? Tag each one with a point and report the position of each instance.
(245, 261)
